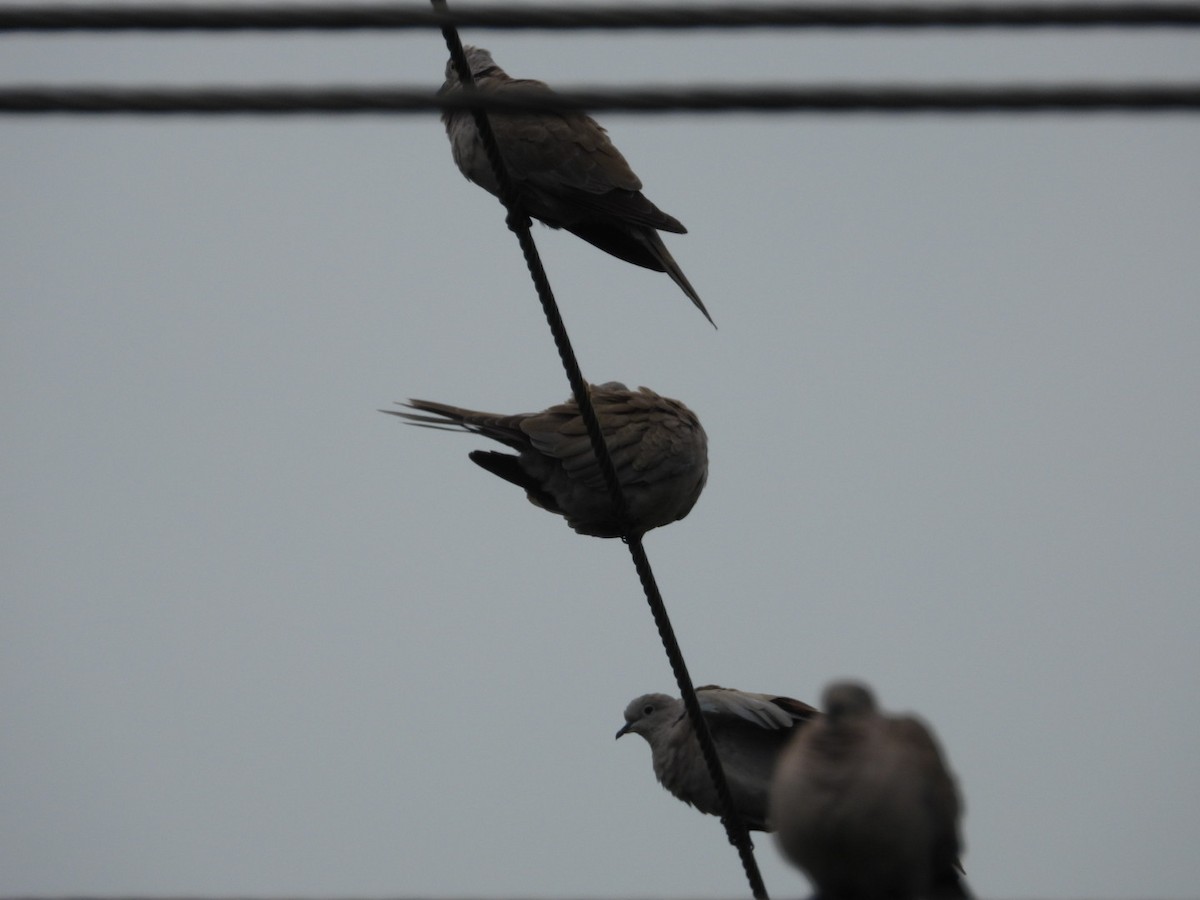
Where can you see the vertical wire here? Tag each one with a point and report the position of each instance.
(519, 223)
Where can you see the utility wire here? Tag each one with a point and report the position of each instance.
(519, 222)
(866, 98)
(363, 16)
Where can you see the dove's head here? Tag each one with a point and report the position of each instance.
(480, 61)
(844, 700)
(648, 714)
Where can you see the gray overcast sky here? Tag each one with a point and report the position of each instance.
(257, 638)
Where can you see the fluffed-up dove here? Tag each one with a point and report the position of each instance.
(566, 173)
(657, 445)
(748, 730)
(865, 805)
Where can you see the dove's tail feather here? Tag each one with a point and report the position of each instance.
(619, 241)
(666, 263)
(946, 871)
(640, 246)
(505, 429)
(508, 467)
(949, 885)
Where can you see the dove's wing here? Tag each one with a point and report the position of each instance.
(650, 438)
(560, 149)
(573, 168)
(750, 732)
(763, 710)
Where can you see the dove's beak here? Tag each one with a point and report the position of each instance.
(625, 729)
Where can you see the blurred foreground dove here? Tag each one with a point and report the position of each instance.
(566, 172)
(864, 804)
(657, 445)
(749, 731)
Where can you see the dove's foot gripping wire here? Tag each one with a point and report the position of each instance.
(518, 221)
(732, 840)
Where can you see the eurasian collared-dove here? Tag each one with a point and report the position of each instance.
(748, 730)
(566, 171)
(657, 445)
(864, 804)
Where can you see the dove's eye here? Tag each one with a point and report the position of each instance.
(647, 709)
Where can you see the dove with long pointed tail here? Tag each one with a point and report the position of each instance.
(566, 172)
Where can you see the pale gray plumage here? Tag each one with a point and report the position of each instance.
(657, 445)
(865, 805)
(749, 732)
(566, 171)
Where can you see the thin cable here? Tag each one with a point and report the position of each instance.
(867, 98)
(354, 16)
(519, 222)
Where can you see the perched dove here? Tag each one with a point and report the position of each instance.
(749, 731)
(566, 171)
(657, 445)
(864, 804)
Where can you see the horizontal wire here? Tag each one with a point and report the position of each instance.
(1073, 98)
(353, 16)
